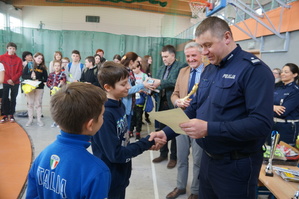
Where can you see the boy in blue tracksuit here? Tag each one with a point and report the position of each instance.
(111, 143)
(65, 169)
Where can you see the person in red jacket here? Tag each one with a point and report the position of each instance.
(13, 71)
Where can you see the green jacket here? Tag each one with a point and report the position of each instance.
(169, 83)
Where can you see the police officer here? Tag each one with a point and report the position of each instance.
(286, 105)
(232, 114)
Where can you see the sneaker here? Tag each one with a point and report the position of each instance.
(29, 123)
(4, 119)
(40, 123)
(12, 119)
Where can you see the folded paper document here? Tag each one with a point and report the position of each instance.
(172, 118)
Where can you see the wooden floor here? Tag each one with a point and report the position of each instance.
(15, 160)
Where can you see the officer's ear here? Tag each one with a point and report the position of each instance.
(227, 37)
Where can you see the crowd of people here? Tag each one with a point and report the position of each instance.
(236, 106)
(61, 71)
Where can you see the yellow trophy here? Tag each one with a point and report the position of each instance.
(193, 90)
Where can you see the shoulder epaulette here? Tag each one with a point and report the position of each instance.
(253, 60)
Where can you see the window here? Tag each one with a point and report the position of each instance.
(15, 24)
(2, 21)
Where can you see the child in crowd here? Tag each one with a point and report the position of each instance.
(101, 53)
(1, 85)
(130, 61)
(56, 80)
(13, 70)
(117, 58)
(97, 59)
(89, 74)
(26, 57)
(64, 63)
(38, 72)
(65, 169)
(111, 143)
(139, 103)
(74, 69)
(57, 57)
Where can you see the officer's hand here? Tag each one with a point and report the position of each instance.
(279, 110)
(195, 128)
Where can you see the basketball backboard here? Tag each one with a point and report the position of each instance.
(217, 6)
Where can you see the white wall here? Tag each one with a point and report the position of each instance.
(112, 20)
(172, 26)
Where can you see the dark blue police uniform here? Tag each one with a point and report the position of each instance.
(235, 99)
(287, 124)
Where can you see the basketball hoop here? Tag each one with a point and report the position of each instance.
(198, 8)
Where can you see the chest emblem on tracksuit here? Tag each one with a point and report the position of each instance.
(54, 161)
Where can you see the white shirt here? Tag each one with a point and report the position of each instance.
(1, 69)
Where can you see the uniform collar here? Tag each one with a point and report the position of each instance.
(289, 84)
(230, 56)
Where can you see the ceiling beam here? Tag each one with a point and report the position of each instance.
(175, 7)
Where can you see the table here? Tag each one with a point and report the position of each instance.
(280, 188)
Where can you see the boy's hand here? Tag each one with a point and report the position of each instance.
(10, 82)
(160, 139)
(33, 76)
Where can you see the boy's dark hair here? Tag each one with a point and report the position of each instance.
(111, 73)
(91, 59)
(117, 56)
(169, 48)
(25, 53)
(77, 53)
(11, 44)
(74, 104)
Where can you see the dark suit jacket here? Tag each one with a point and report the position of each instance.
(169, 83)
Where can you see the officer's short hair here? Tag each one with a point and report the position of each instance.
(215, 25)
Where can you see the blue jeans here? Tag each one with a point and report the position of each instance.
(9, 106)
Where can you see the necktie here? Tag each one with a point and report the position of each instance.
(192, 82)
(165, 77)
(166, 72)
